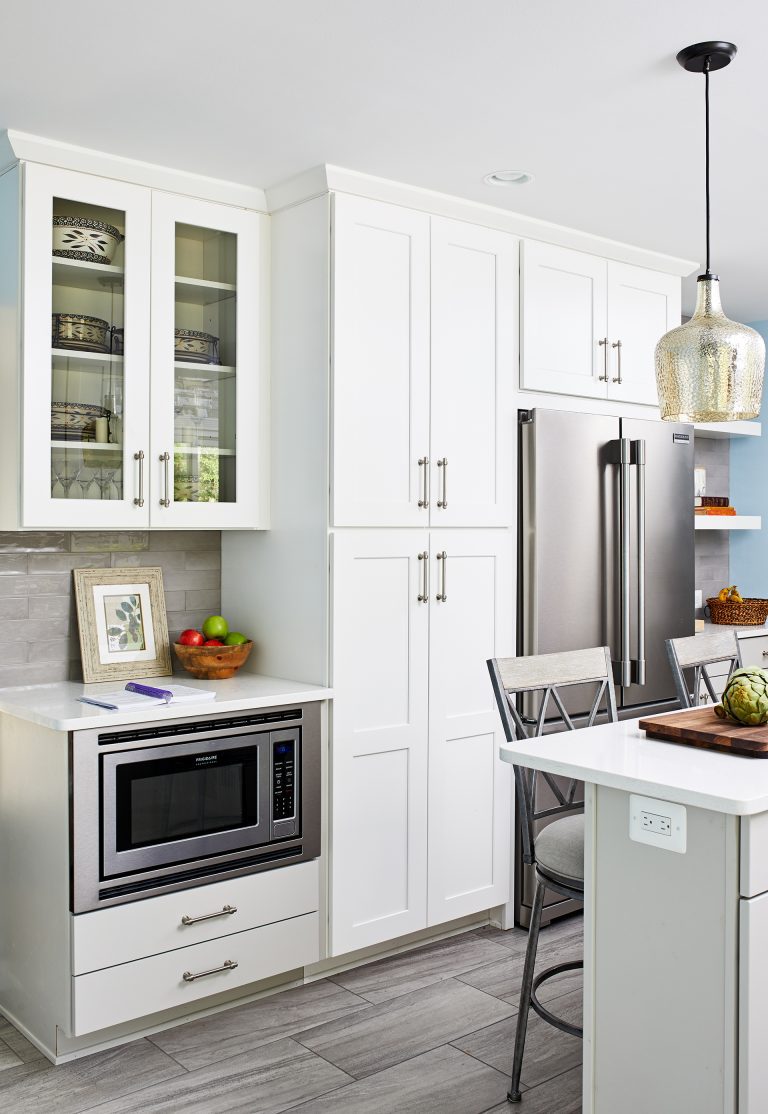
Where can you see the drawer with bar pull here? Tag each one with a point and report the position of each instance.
(123, 933)
(188, 974)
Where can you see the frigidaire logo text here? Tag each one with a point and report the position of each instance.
(206, 759)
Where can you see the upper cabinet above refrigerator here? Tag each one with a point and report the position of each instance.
(423, 361)
(589, 326)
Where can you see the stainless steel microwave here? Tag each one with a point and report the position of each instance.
(177, 803)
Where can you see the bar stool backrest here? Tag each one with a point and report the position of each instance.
(548, 674)
(698, 653)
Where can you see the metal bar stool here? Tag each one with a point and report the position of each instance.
(699, 652)
(557, 852)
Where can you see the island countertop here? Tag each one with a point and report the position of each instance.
(619, 755)
(57, 706)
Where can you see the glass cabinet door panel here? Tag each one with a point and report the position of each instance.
(86, 309)
(206, 365)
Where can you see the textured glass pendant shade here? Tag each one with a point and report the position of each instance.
(711, 368)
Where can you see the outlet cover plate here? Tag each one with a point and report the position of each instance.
(657, 823)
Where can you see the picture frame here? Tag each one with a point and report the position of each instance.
(123, 624)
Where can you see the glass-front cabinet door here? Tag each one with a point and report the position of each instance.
(86, 352)
(208, 406)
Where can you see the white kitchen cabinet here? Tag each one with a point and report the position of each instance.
(423, 353)
(753, 1004)
(471, 613)
(589, 326)
(91, 374)
(420, 800)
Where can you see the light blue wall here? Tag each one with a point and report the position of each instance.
(749, 495)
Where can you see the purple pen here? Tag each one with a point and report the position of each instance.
(148, 690)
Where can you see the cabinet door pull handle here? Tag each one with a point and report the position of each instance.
(617, 346)
(441, 596)
(227, 965)
(227, 911)
(424, 595)
(443, 503)
(138, 501)
(765, 653)
(424, 463)
(604, 345)
(164, 458)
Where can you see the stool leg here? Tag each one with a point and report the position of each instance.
(513, 1094)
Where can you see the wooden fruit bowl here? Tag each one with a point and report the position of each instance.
(212, 663)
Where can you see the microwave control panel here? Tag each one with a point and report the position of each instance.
(284, 788)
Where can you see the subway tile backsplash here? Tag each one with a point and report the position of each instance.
(37, 608)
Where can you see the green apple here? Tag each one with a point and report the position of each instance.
(235, 638)
(215, 626)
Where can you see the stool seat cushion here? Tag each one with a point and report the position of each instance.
(560, 847)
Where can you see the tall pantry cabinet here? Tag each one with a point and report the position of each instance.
(394, 358)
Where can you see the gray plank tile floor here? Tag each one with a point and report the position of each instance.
(426, 1032)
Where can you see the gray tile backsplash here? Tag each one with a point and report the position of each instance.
(712, 549)
(37, 610)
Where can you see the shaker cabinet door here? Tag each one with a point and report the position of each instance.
(86, 300)
(474, 298)
(563, 321)
(642, 306)
(380, 364)
(379, 760)
(471, 620)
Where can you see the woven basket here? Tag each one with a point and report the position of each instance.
(748, 613)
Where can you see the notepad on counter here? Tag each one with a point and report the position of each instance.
(140, 694)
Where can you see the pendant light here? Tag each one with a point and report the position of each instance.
(711, 368)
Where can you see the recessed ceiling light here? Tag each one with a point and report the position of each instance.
(508, 178)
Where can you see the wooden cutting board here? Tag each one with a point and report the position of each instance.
(700, 727)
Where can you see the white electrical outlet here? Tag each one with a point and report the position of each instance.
(658, 823)
(698, 598)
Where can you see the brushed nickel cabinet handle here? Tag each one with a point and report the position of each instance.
(139, 501)
(441, 596)
(604, 345)
(227, 965)
(424, 463)
(227, 911)
(164, 458)
(443, 464)
(424, 595)
(617, 346)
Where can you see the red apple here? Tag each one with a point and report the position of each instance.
(191, 637)
(213, 642)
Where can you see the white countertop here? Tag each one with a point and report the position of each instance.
(741, 632)
(619, 755)
(56, 705)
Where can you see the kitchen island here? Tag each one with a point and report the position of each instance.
(676, 921)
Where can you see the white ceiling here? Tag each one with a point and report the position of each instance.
(586, 95)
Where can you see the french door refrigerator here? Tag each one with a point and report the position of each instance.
(606, 555)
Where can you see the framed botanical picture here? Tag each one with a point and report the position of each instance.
(123, 627)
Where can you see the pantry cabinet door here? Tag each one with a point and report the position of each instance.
(380, 364)
(563, 321)
(86, 287)
(379, 752)
(208, 461)
(474, 300)
(642, 306)
(471, 619)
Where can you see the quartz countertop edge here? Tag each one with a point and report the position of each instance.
(57, 707)
(621, 756)
(743, 632)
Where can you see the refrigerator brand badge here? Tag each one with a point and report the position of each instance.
(681, 438)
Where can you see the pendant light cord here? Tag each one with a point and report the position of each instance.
(706, 132)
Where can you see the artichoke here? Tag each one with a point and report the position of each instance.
(745, 697)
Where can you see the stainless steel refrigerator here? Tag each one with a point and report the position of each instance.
(606, 553)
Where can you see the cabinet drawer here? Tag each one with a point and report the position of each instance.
(124, 933)
(754, 651)
(147, 986)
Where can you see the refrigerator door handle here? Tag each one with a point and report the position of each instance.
(638, 459)
(623, 668)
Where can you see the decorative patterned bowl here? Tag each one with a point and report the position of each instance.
(75, 330)
(212, 663)
(89, 241)
(74, 421)
(195, 347)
